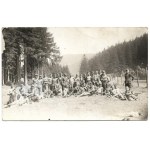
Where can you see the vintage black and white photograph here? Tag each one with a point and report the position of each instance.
(74, 73)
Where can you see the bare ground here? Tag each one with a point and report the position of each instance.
(80, 108)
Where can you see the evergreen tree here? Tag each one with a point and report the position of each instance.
(84, 65)
(35, 44)
(124, 55)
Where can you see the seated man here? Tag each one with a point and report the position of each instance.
(23, 89)
(91, 88)
(82, 86)
(11, 94)
(33, 94)
(20, 96)
(58, 89)
(85, 93)
(114, 91)
(65, 92)
(99, 90)
(130, 96)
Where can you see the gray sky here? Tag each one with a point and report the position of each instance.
(92, 40)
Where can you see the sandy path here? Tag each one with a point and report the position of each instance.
(83, 108)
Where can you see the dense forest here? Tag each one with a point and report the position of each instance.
(115, 59)
(29, 51)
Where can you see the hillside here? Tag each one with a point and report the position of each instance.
(73, 61)
(131, 54)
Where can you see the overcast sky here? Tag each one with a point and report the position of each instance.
(92, 40)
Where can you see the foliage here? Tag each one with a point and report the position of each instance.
(117, 58)
(36, 44)
(84, 65)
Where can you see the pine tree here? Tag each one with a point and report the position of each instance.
(84, 65)
(35, 44)
(123, 55)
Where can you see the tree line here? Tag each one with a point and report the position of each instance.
(115, 59)
(29, 51)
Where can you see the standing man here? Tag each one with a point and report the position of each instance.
(35, 80)
(104, 79)
(89, 78)
(50, 80)
(45, 83)
(128, 80)
(40, 85)
(97, 78)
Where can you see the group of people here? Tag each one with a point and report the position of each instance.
(63, 85)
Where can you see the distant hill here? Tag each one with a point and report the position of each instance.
(131, 54)
(74, 61)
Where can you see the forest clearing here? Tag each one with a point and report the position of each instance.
(81, 108)
(110, 84)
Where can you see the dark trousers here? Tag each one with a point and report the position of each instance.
(104, 85)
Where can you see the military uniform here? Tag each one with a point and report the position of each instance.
(104, 80)
(128, 80)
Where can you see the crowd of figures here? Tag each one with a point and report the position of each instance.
(63, 85)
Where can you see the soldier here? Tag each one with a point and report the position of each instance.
(114, 91)
(58, 89)
(32, 94)
(71, 82)
(82, 86)
(104, 79)
(130, 96)
(23, 90)
(45, 83)
(35, 79)
(60, 78)
(128, 80)
(92, 89)
(89, 78)
(93, 78)
(85, 77)
(65, 85)
(54, 81)
(11, 94)
(97, 79)
(40, 85)
(81, 80)
(23, 95)
(77, 79)
(50, 80)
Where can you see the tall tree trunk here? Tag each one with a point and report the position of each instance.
(31, 72)
(3, 68)
(146, 77)
(137, 78)
(3, 75)
(5, 71)
(18, 68)
(42, 70)
(8, 76)
(38, 69)
(25, 67)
